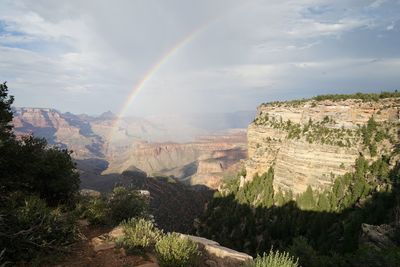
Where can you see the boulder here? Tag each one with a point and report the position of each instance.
(377, 236)
(102, 243)
(215, 255)
(107, 241)
(116, 233)
(89, 193)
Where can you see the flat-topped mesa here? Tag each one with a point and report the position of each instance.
(347, 113)
(310, 142)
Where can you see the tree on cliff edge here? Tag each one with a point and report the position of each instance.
(29, 165)
(5, 113)
(37, 188)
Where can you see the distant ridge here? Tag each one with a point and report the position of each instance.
(107, 115)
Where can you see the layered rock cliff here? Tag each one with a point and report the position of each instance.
(147, 144)
(201, 162)
(308, 143)
(66, 130)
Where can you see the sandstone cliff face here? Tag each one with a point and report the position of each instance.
(311, 142)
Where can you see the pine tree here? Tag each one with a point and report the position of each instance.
(279, 198)
(323, 202)
(306, 199)
(5, 113)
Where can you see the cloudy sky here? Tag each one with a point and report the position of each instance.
(87, 56)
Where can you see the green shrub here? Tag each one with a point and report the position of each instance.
(372, 149)
(305, 252)
(174, 250)
(29, 228)
(371, 257)
(121, 204)
(96, 211)
(35, 168)
(125, 203)
(2, 262)
(139, 235)
(38, 188)
(274, 259)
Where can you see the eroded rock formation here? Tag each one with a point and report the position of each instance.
(311, 142)
(201, 162)
(137, 143)
(65, 130)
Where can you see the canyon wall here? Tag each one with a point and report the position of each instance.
(150, 144)
(65, 130)
(203, 161)
(308, 143)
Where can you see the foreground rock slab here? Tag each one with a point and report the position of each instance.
(212, 253)
(106, 241)
(215, 255)
(149, 264)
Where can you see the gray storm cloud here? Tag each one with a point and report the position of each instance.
(87, 56)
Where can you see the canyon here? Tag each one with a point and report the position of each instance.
(299, 165)
(308, 143)
(203, 161)
(194, 149)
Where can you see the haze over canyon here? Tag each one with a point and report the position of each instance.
(197, 149)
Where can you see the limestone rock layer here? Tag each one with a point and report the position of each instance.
(300, 161)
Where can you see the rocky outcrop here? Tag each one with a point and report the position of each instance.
(212, 253)
(378, 236)
(215, 255)
(107, 240)
(310, 142)
(89, 193)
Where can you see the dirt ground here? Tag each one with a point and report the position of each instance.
(82, 253)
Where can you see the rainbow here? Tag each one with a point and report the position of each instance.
(151, 72)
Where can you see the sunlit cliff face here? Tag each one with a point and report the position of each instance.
(311, 143)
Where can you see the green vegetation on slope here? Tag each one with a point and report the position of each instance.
(139, 235)
(365, 97)
(38, 189)
(274, 259)
(321, 228)
(113, 208)
(324, 132)
(173, 250)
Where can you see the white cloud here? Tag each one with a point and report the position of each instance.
(62, 50)
(376, 4)
(312, 28)
(8, 39)
(390, 27)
